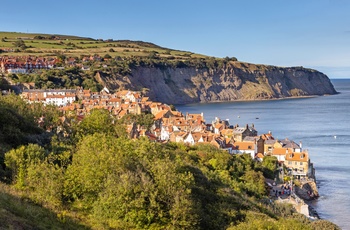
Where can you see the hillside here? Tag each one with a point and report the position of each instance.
(17, 212)
(165, 75)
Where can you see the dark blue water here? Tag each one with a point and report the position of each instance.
(323, 126)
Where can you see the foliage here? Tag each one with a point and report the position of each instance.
(270, 166)
(323, 225)
(20, 44)
(98, 121)
(66, 78)
(254, 183)
(22, 158)
(256, 221)
(111, 182)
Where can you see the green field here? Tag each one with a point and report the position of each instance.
(47, 44)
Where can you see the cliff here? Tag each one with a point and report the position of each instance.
(233, 81)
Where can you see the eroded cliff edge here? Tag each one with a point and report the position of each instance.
(234, 81)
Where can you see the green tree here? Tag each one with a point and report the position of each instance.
(20, 44)
(254, 183)
(269, 165)
(20, 159)
(97, 156)
(44, 181)
(98, 121)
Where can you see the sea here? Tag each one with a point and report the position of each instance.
(322, 123)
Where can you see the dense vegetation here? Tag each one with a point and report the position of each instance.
(98, 178)
(69, 78)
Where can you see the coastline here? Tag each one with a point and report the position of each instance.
(258, 100)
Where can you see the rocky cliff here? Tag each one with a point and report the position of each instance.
(234, 81)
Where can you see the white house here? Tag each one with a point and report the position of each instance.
(17, 70)
(245, 147)
(59, 100)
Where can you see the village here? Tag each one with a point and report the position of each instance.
(29, 64)
(169, 124)
(174, 126)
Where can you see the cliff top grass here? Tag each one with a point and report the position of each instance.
(51, 44)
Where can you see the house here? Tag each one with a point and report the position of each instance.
(286, 143)
(58, 97)
(223, 143)
(189, 139)
(177, 136)
(17, 70)
(280, 153)
(299, 164)
(60, 100)
(244, 147)
(269, 146)
(165, 132)
(239, 133)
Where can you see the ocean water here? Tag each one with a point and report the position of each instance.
(321, 123)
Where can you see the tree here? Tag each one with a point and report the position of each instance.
(269, 165)
(97, 156)
(20, 44)
(98, 121)
(45, 181)
(254, 183)
(20, 159)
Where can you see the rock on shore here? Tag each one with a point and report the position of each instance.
(307, 191)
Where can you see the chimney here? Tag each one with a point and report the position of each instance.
(301, 145)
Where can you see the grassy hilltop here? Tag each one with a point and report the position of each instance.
(47, 44)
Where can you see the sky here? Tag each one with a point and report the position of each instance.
(310, 33)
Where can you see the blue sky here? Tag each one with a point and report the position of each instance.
(309, 33)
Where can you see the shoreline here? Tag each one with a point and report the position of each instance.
(257, 100)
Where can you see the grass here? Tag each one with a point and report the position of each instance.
(17, 212)
(75, 46)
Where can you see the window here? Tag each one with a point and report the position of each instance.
(289, 162)
(301, 163)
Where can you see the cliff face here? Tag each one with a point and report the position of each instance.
(235, 81)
